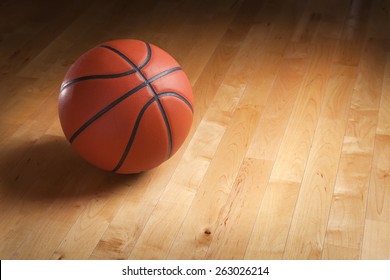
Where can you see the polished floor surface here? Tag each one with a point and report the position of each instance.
(288, 156)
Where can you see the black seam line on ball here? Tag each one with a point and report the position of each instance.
(148, 55)
(110, 76)
(118, 100)
(152, 91)
(138, 120)
(93, 77)
(182, 98)
(105, 110)
(162, 74)
(133, 133)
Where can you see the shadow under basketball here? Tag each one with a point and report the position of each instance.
(48, 169)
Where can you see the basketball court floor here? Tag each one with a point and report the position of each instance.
(288, 155)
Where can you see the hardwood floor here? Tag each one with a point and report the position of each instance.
(289, 152)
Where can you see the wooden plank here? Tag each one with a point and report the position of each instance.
(344, 232)
(296, 144)
(31, 196)
(197, 230)
(378, 207)
(348, 212)
(223, 56)
(63, 47)
(333, 252)
(273, 122)
(312, 209)
(270, 231)
(171, 209)
(384, 109)
(204, 48)
(313, 204)
(376, 243)
(180, 192)
(23, 140)
(33, 27)
(88, 229)
(59, 217)
(339, 92)
(353, 35)
(27, 103)
(369, 90)
(291, 158)
(237, 218)
(244, 105)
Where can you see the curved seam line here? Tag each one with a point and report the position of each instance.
(105, 110)
(178, 96)
(162, 74)
(153, 92)
(133, 133)
(138, 121)
(98, 76)
(148, 55)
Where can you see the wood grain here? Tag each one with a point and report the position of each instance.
(237, 219)
(287, 157)
(305, 242)
(349, 206)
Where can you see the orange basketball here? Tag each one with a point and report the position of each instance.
(126, 106)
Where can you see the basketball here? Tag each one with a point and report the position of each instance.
(126, 106)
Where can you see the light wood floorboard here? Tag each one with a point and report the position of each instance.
(288, 156)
